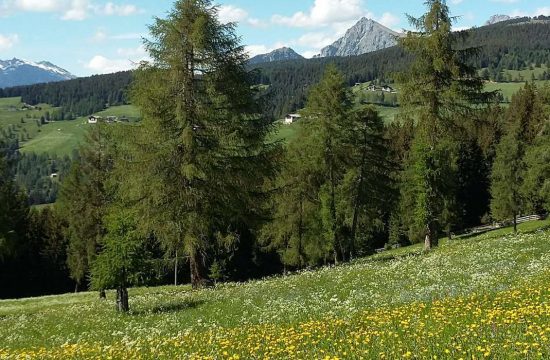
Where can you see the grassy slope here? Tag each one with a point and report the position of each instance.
(60, 137)
(459, 298)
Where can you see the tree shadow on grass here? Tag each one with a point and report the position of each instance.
(390, 257)
(170, 307)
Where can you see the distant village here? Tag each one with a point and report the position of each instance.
(107, 119)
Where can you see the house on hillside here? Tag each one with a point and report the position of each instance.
(372, 87)
(388, 89)
(94, 119)
(292, 118)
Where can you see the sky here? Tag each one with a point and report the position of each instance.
(89, 37)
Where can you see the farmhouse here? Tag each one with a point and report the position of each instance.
(94, 119)
(291, 118)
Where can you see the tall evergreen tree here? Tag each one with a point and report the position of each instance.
(84, 198)
(367, 191)
(201, 135)
(437, 91)
(507, 179)
(524, 125)
(13, 213)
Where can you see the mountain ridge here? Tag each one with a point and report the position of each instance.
(281, 54)
(364, 37)
(18, 72)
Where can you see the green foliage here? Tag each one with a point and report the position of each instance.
(78, 97)
(524, 124)
(329, 194)
(122, 260)
(201, 136)
(438, 91)
(13, 213)
(85, 196)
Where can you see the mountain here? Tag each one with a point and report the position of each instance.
(497, 18)
(364, 37)
(281, 54)
(16, 72)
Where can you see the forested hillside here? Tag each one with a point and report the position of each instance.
(515, 45)
(78, 97)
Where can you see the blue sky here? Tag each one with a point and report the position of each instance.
(97, 36)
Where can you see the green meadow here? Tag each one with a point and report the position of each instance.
(472, 298)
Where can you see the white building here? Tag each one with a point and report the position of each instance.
(94, 119)
(292, 118)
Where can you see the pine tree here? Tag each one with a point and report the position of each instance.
(327, 121)
(524, 122)
(437, 90)
(84, 198)
(13, 213)
(507, 180)
(201, 136)
(367, 191)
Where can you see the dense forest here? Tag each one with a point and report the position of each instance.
(513, 45)
(78, 97)
(198, 189)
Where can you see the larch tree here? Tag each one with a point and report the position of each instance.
(84, 199)
(123, 259)
(367, 192)
(437, 91)
(327, 118)
(199, 158)
(524, 129)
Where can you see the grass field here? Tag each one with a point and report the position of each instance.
(482, 297)
(58, 137)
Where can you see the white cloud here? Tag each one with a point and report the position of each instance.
(540, 11)
(254, 50)
(230, 13)
(68, 9)
(101, 65)
(8, 41)
(389, 20)
(456, 2)
(139, 53)
(317, 40)
(38, 5)
(101, 35)
(77, 10)
(323, 13)
(111, 9)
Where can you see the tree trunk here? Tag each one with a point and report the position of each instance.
(176, 270)
(197, 279)
(431, 239)
(76, 288)
(122, 299)
(102, 294)
(515, 223)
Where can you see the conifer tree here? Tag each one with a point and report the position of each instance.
(83, 202)
(14, 213)
(122, 261)
(367, 191)
(537, 179)
(201, 136)
(507, 179)
(524, 125)
(437, 91)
